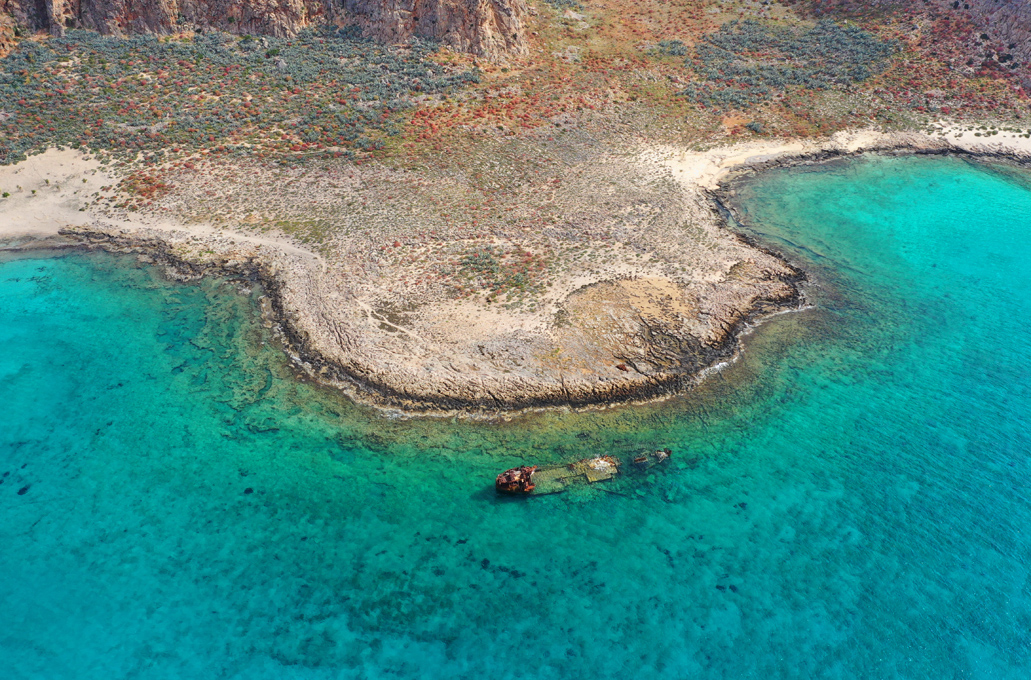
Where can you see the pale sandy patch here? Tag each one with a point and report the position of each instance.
(706, 169)
(963, 136)
(47, 193)
(53, 191)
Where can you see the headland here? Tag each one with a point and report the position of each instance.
(667, 300)
(479, 208)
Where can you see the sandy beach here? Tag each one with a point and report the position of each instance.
(707, 169)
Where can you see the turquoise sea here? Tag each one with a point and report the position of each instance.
(849, 500)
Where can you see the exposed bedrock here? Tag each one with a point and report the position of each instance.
(1007, 24)
(491, 28)
(1002, 27)
(613, 341)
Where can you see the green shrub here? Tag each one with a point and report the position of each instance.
(328, 91)
(673, 48)
(566, 4)
(746, 62)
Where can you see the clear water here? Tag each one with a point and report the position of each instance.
(848, 500)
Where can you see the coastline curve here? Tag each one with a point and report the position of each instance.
(660, 351)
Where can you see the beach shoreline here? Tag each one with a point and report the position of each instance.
(304, 291)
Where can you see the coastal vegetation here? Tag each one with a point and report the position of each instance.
(513, 273)
(746, 62)
(325, 91)
(691, 73)
(423, 147)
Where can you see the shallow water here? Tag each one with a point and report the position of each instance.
(848, 500)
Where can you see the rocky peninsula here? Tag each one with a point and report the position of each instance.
(664, 294)
(478, 206)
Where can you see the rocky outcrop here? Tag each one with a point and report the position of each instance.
(658, 353)
(490, 28)
(487, 27)
(7, 37)
(1007, 23)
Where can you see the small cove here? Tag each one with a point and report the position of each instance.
(848, 499)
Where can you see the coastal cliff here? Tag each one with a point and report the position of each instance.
(489, 28)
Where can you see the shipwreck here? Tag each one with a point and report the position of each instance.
(538, 480)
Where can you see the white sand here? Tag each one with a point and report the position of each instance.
(47, 192)
(963, 137)
(706, 169)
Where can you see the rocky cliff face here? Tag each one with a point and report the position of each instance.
(7, 38)
(490, 28)
(1008, 24)
(1003, 26)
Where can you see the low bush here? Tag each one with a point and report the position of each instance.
(321, 91)
(566, 4)
(673, 48)
(746, 62)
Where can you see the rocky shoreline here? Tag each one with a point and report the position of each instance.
(723, 195)
(623, 338)
(165, 250)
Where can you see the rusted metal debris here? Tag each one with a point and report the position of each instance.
(526, 480)
(516, 481)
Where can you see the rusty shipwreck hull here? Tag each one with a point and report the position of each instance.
(539, 480)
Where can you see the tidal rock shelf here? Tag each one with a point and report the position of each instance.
(663, 295)
(648, 354)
